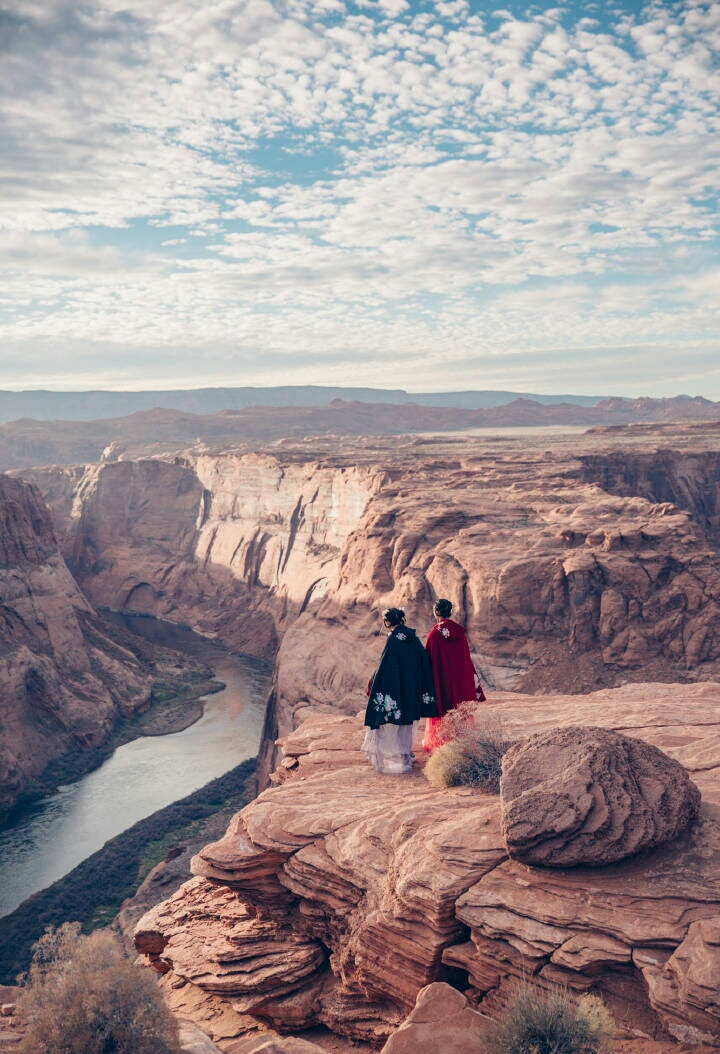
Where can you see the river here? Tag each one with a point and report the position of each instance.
(59, 832)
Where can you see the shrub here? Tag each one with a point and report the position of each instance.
(82, 996)
(537, 1022)
(472, 754)
(462, 721)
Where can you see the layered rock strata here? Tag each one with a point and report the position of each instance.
(689, 479)
(589, 796)
(292, 553)
(379, 885)
(228, 544)
(439, 1011)
(64, 679)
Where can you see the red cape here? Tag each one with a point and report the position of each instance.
(453, 670)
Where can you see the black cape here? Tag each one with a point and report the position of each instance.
(402, 688)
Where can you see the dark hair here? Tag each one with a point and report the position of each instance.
(443, 608)
(394, 616)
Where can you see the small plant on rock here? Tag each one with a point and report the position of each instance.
(550, 1022)
(82, 996)
(472, 753)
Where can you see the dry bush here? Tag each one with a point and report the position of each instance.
(538, 1022)
(459, 722)
(472, 753)
(82, 996)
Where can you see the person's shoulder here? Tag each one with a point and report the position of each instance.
(404, 633)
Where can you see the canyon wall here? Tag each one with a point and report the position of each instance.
(64, 678)
(690, 479)
(229, 544)
(564, 586)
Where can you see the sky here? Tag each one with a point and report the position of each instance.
(425, 194)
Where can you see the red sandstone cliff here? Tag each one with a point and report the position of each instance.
(335, 896)
(563, 585)
(64, 679)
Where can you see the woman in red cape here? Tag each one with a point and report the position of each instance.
(453, 672)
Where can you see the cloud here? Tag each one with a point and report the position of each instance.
(334, 178)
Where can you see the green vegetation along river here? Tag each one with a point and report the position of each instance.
(52, 836)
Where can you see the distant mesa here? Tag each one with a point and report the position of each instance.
(63, 433)
(92, 405)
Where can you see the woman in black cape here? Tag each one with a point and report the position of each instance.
(400, 692)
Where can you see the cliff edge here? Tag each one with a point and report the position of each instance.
(567, 576)
(338, 893)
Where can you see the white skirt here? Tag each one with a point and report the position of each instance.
(389, 748)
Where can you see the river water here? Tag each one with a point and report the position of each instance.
(59, 832)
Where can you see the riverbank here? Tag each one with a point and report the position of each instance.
(93, 892)
(176, 703)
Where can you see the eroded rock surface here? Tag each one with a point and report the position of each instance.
(404, 885)
(441, 1016)
(64, 678)
(292, 552)
(591, 796)
(227, 543)
(274, 1045)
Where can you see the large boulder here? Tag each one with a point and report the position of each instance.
(440, 1011)
(590, 796)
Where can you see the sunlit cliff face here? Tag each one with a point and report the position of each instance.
(282, 527)
(568, 568)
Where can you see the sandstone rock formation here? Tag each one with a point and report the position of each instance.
(10, 1029)
(590, 796)
(292, 552)
(377, 886)
(689, 479)
(441, 1016)
(194, 1041)
(64, 678)
(264, 1044)
(225, 543)
(563, 586)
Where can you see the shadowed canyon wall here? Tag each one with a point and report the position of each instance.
(64, 679)
(691, 480)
